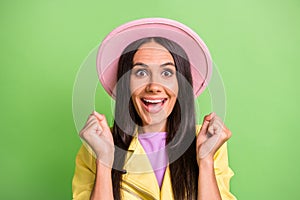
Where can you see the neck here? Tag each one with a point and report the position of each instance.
(151, 128)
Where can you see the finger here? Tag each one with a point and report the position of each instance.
(227, 131)
(91, 116)
(102, 120)
(213, 138)
(91, 120)
(202, 133)
(92, 135)
(221, 124)
(215, 126)
(220, 128)
(92, 125)
(97, 128)
(98, 115)
(205, 123)
(219, 121)
(208, 146)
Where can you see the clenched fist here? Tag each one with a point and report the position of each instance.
(99, 137)
(213, 134)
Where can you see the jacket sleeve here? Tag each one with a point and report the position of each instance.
(84, 176)
(222, 170)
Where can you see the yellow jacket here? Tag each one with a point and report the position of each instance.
(142, 185)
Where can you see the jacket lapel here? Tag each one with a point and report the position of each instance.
(166, 187)
(140, 178)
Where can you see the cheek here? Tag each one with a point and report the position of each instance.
(135, 102)
(175, 89)
(132, 85)
(136, 85)
(172, 88)
(135, 90)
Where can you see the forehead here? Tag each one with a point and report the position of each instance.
(152, 52)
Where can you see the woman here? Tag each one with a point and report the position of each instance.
(151, 152)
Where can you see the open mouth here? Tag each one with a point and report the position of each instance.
(153, 105)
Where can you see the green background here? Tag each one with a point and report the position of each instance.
(43, 43)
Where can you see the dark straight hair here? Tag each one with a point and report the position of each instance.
(180, 124)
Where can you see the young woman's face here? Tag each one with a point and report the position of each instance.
(153, 83)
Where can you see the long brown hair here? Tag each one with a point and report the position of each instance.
(180, 123)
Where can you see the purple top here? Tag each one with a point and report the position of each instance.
(154, 146)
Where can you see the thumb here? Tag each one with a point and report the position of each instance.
(205, 123)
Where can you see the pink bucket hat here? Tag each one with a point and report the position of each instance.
(116, 41)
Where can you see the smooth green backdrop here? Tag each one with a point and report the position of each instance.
(43, 43)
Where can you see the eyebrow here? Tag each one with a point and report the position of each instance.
(145, 65)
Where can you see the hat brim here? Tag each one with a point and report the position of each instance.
(116, 41)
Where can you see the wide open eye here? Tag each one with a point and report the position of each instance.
(141, 73)
(167, 73)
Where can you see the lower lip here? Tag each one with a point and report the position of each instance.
(156, 109)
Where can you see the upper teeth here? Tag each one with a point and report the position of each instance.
(153, 101)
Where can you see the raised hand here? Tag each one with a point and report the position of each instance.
(212, 135)
(97, 134)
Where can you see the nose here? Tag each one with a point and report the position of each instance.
(153, 88)
(154, 85)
